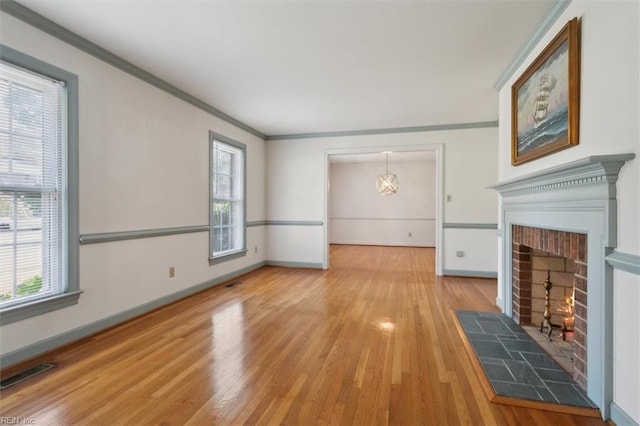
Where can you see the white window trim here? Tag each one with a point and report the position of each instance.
(70, 263)
(241, 252)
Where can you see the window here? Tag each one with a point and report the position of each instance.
(38, 230)
(227, 218)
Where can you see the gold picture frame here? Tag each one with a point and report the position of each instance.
(545, 100)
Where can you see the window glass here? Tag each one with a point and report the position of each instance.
(227, 197)
(32, 192)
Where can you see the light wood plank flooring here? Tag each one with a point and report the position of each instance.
(370, 341)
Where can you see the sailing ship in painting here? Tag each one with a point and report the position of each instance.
(543, 104)
(542, 100)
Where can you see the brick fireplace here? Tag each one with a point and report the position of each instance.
(567, 245)
(568, 210)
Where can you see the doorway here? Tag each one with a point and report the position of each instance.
(355, 213)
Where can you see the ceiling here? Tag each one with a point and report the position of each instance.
(291, 67)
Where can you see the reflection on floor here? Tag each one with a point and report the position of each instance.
(515, 364)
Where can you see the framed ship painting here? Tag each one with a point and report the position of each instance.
(545, 100)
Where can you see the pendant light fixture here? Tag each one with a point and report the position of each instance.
(387, 183)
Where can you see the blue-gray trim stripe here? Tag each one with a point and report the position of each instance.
(624, 261)
(54, 342)
(293, 223)
(145, 233)
(415, 129)
(472, 274)
(384, 218)
(284, 223)
(106, 237)
(619, 417)
(470, 225)
(312, 265)
(549, 18)
(38, 21)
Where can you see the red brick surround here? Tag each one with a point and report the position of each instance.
(559, 243)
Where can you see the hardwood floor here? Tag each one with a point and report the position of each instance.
(370, 341)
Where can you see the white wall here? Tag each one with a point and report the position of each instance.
(359, 215)
(609, 124)
(143, 165)
(470, 172)
(297, 184)
(470, 250)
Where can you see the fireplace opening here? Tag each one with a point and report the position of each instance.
(558, 311)
(553, 306)
(544, 255)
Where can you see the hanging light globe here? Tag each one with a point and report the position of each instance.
(387, 183)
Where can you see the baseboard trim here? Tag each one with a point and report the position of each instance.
(370, 243)
(619, 417)
(474, 274)
(55, 342)
(312, 265)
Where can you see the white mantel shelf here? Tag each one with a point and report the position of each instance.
(586, 171)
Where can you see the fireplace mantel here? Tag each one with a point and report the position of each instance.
(578, 197)
(601, 169)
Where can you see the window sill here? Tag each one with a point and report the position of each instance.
(38, 307)
(226, 257)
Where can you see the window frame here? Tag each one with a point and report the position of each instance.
(71, 293)
(242, 251)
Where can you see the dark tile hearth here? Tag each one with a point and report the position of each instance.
(515, 364)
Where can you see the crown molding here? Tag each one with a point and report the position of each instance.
(549, 18)
(40, 22)
(386, 131)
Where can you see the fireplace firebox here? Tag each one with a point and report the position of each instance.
(569, 245)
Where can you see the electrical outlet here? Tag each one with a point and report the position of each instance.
(255, 249)
(172, 271)
(459, 253)
(409, 233)
(448, 198)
